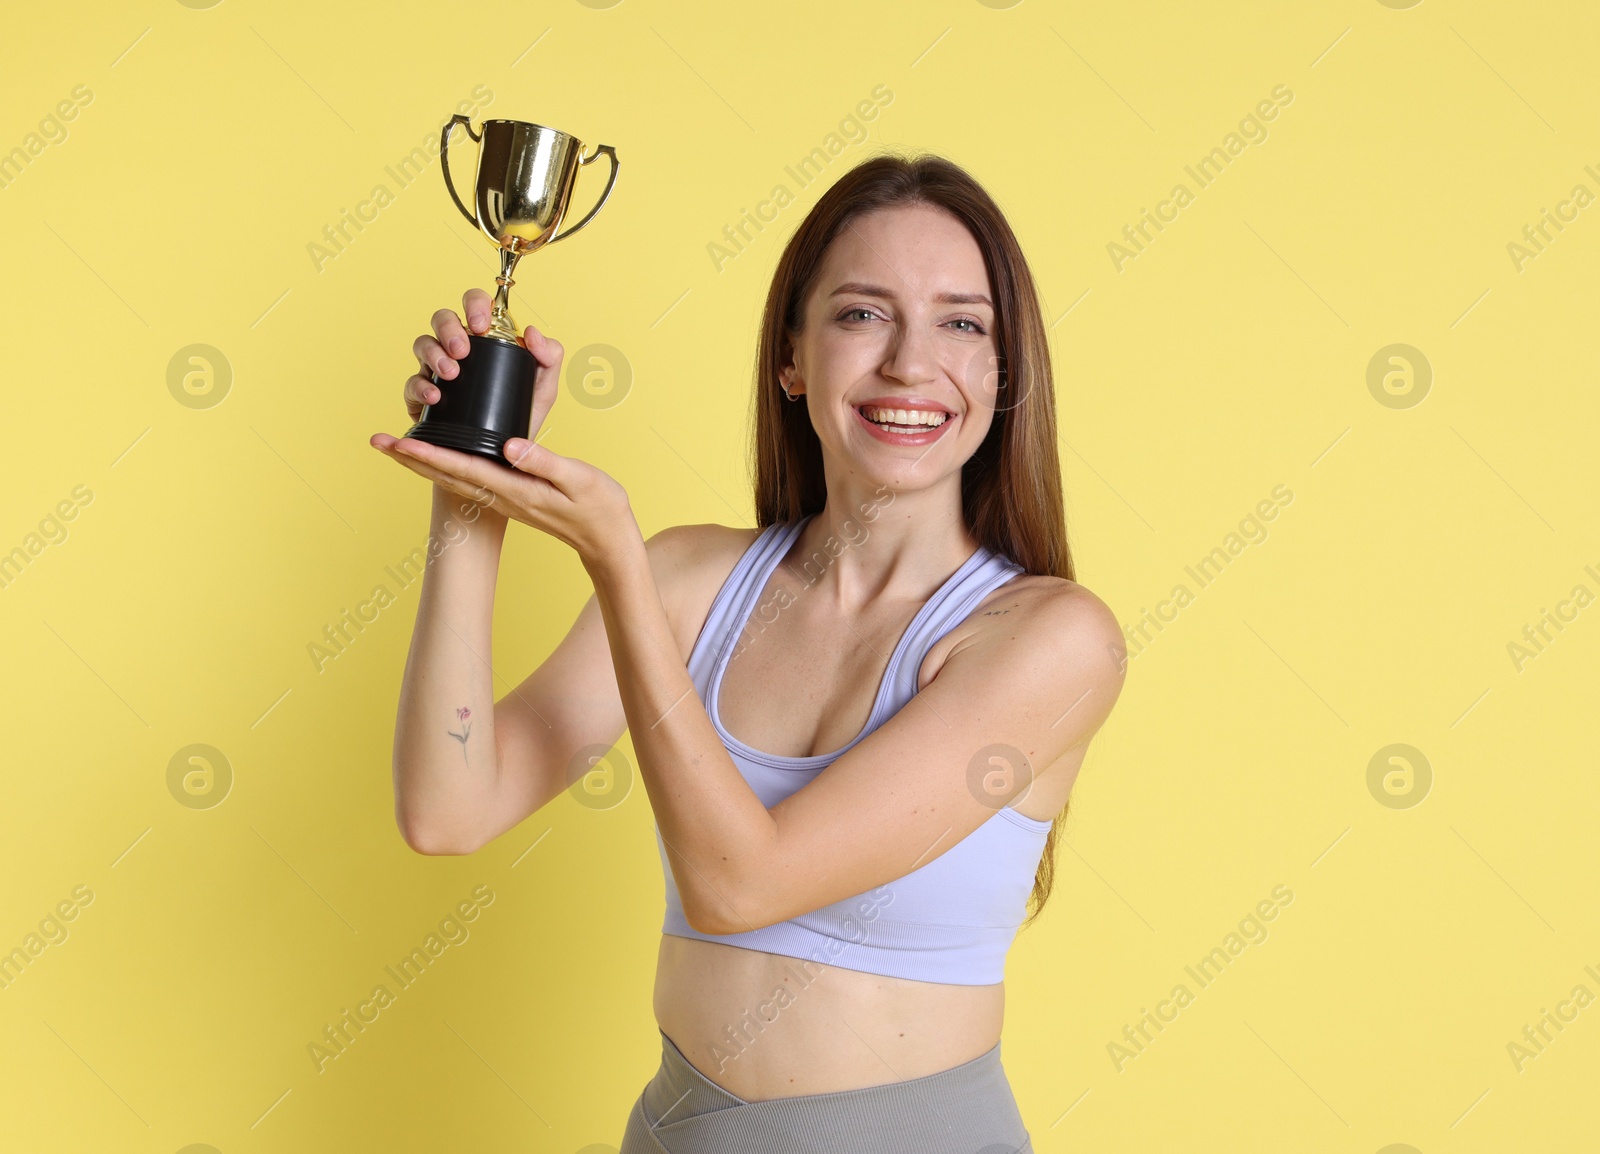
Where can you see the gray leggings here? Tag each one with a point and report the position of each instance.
(967, 1109)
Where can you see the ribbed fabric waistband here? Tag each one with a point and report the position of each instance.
(967, 1109)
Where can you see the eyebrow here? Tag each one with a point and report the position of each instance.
(856, 288)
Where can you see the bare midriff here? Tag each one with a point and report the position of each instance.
(767, 1026)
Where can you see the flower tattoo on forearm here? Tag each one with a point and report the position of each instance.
(464, 716)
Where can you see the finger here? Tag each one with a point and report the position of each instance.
(393, 446)
(528, 457)
(433, 358)
(476, 304)
(420, 391)
(547, 351)
(546, 385)
(418, 466)
(403, 449)
(477, 475)
(447, 328)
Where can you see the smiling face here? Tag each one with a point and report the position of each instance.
(897, 356)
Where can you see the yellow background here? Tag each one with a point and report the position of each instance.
(1229, 357)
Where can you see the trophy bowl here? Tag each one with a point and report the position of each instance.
(525, 177)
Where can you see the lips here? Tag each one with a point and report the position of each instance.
(919, 434)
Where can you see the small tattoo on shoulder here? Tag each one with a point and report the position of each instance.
(464, 716)
(995, 612)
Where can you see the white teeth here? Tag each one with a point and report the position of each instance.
(904, 416)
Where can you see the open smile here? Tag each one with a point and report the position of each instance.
(895, 425)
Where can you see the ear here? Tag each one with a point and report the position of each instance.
(789, 377)
(789, 371)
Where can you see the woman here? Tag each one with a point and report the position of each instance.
(858, 724)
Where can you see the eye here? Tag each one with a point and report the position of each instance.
(849, 313)
(976, 329)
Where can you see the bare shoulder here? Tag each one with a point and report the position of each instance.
(681, 552)
(690, 564)
(1049, 617)
(1054, 602)
(1060, 646)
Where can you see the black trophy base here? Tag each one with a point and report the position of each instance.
(486, 404)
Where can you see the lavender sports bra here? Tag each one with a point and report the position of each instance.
(951, 920)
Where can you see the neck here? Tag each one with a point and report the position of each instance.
(871, 542)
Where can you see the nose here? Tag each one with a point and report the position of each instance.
(911, 355)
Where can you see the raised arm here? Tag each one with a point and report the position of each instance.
(456, 789)
(466, 766)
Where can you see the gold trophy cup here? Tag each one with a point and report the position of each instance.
(526, 173)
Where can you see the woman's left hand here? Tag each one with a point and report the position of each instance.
(565, 497)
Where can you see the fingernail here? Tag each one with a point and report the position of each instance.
(447, 368)
(460, 348)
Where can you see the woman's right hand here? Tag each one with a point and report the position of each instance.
(440, 351)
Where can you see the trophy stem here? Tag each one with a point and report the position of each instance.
(501, 326)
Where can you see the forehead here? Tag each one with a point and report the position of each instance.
(911, 250)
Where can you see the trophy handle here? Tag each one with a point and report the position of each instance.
(444, 161)
(590, 159)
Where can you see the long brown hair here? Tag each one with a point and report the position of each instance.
(1011, 485)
